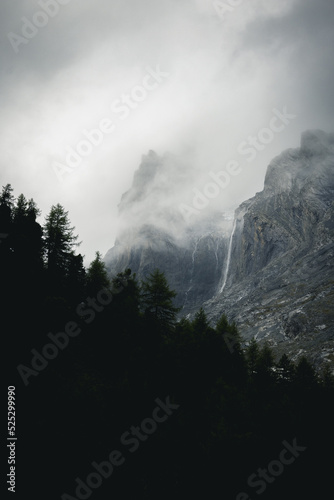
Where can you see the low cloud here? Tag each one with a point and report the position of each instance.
(226, 77)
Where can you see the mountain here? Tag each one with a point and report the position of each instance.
(153, 233)
(269, 266)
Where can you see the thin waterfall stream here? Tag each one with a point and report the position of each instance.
(229, 255)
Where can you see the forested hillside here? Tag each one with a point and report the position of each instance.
(118, 399)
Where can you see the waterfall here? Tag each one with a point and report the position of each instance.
(229, 256)
(192, 270)
(216, 255)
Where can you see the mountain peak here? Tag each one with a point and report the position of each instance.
(294, 168)
(143, 177)
(270, 269)
(150, 157)
(316, 142)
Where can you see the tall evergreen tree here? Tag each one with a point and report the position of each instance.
(200, 323)
(6, 206)
(230, 334)
(305, 375)
(157, 299)
(286, 370)
(6, 197)
(265, 369)
(252, 356)
(60, 241)
(265, 362)
(32, 210)
(75, 279)
(97, 275)
(21, 209)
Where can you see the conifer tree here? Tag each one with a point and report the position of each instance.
(265, 362)
(97, 276)
(252, 356)
(230, 334)
(76, 279)
(157, 299)
(200, 323)
(6, 206)
(286, 370)
(32, 210)
(60, 240)
(21, 209)
(305, 375)
(6, 197)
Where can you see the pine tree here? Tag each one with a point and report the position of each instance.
(252, 356)
(76, 279)
(157, 299)
(97, 276)
(21, 209)
(200, 324)
(26, 236)
(286, 370)
(32, 210)
(126, 302)
(305, 375)
(6, 197)
(230, 334)
(6, 242)
(183, 327)
(266, 360)
(6, 206)
(60, 240)
(265, 369)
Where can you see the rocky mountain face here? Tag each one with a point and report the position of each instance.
(153, 234)
(269, 266)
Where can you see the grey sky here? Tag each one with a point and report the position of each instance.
(226, 75)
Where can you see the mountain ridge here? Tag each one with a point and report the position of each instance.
(268, 267)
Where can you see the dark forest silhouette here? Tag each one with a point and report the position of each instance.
(236, 405)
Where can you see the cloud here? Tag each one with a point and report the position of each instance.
(226, 76)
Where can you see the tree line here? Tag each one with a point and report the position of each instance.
(236, 406)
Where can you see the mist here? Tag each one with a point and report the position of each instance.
(190, 79)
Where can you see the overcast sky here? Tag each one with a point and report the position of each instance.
(223, 70)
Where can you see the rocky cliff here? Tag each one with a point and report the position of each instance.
(269, 266)
(153, 233)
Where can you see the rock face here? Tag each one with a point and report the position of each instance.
(154, 235)
(280, 283)
(269, 267)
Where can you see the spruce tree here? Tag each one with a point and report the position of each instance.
(21, 208)
(200, 323)
(60, 240)
(286, 370)
(97, 276)
(6, 207)
(157, 299)
(252, 356)
(6, 197)
(266, 360)
(230, 334)
(305, 375)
